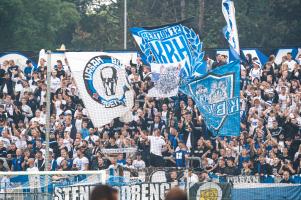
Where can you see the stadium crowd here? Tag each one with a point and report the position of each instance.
(166, 131)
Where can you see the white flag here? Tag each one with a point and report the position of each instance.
(166, 79)
(102, 82)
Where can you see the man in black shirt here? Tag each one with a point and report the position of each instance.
(40, 162)
(60, 71)
(220, 168)
(219, 61)
(262, 168)
(231, 169)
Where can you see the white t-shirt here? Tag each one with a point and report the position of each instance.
(40, 120)
(94, 138)
(156, 144)
(255, 73)
(55, 84)
(32, 169)
(59, 160)
(6, 142)
(138, 164)
(291, 65)
(164, 116)
(80, 163)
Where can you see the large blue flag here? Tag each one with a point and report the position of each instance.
(217, 97)
(230, 31)
(171, 44)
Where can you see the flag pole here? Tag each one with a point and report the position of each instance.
(125, 25)
(48, 103)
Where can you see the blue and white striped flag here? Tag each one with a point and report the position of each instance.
(230, 31)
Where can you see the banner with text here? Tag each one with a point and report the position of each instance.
(171, 44)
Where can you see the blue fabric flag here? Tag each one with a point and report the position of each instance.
(171, 44)
(230, 31)
(217, 96)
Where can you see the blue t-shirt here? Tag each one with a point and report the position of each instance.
(180, 158)
(84, 132)
(17, 163)
(121, 162)
(27, 71)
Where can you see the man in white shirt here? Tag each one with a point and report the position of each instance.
(38, 118)
(31, 166)
(156, 144)
(55, 82)
(290, 62)
(81, 163)
(138, 163)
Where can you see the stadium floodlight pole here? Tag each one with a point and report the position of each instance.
(125, 25)
(48, 103)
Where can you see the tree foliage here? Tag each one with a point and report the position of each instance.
(89, 25)
(32, 25)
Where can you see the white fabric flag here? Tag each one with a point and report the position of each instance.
(102, 82)
(166, 79)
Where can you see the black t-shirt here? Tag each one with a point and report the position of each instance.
(275, 168)
(220, 170)
(11, 69)
(12, 152)
(60, 73)
(3, 152)
(41, 165)
(232, 171)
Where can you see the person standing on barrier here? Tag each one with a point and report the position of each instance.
(156, 145)
(104, 192)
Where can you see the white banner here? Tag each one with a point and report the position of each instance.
(102, 82)
(120, 150)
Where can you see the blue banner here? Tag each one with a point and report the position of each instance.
(217, 96)
(171, 43)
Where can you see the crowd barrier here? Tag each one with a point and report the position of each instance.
(149, 183)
